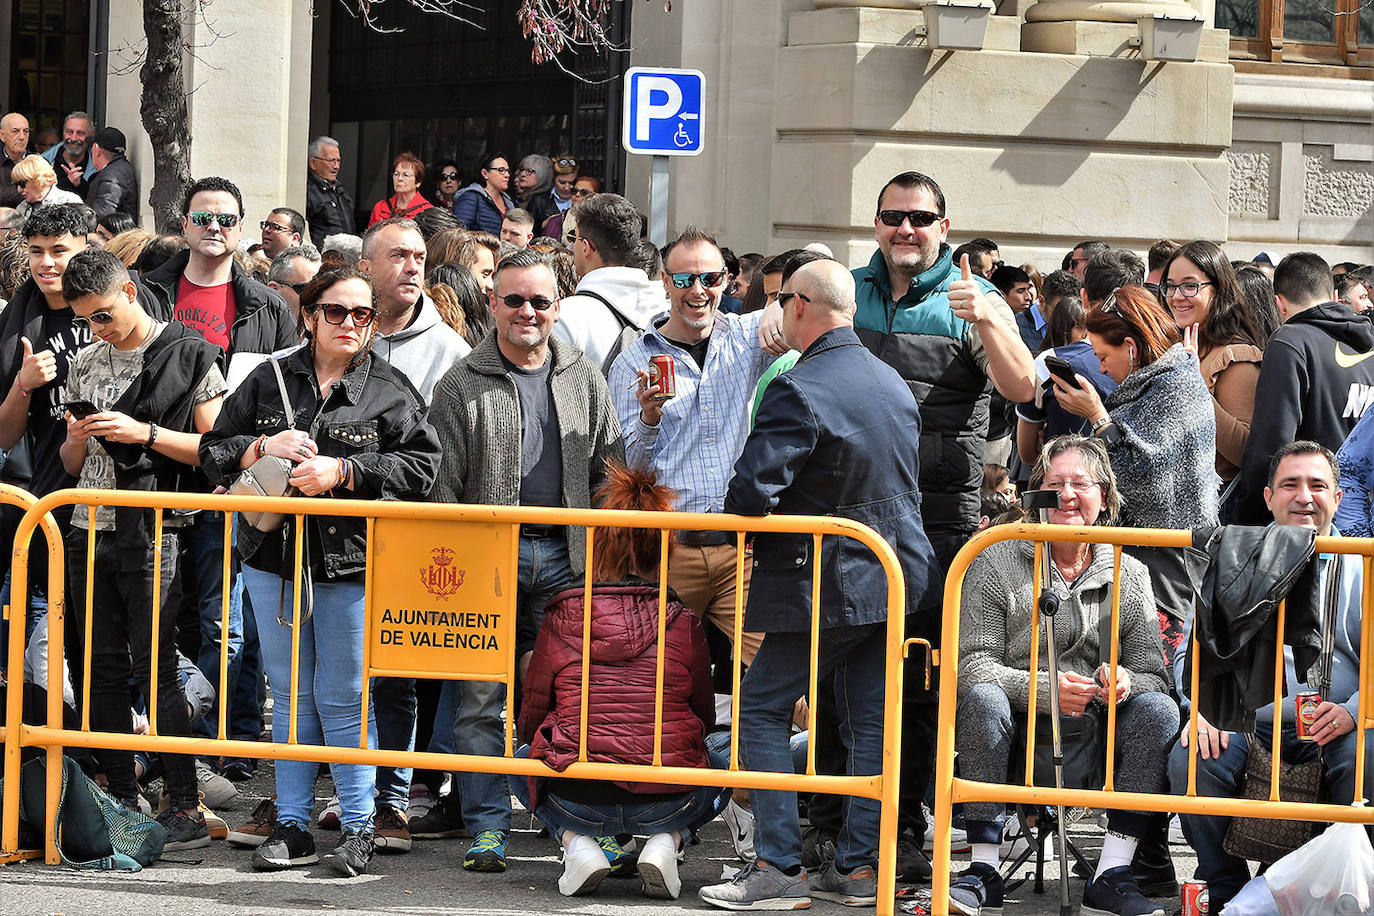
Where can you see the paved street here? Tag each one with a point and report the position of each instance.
(430, 880)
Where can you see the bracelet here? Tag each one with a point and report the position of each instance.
(343, 474)
(22, 390)
(260, 447)
(1102, 424)
(152, 433)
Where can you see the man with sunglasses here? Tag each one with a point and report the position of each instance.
(328, 205)
(204, 288)
(524, 420)
(284, 228)
(114, 186)
(953, 338)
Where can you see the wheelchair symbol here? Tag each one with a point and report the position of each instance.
(682, 139)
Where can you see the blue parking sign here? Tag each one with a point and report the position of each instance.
(665, 111)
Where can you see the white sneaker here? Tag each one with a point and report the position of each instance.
(1176, 837)
(658, 865)
(958, 839)
(422, 801)
(740, 820)
(584, 865)
(330, 816)
(214, 788)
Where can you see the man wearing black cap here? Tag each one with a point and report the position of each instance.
(114, 186)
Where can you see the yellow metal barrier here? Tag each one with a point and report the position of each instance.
(16, 612)
(399, 533)
(950, 790)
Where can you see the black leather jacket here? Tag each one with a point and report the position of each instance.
(1250, 570)
(372, 416)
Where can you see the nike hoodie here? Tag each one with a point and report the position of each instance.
(585, 322)
(424, 349)
(1315, 383)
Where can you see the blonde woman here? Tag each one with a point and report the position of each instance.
(37, 182)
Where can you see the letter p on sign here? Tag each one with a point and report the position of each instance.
(664, 111)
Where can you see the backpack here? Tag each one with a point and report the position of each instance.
(629, 331)
(96, 832)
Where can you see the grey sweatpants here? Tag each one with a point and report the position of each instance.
(985, 729)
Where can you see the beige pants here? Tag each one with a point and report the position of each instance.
(704, 578)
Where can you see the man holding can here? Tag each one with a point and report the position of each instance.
(692, 434)
(1302, 491)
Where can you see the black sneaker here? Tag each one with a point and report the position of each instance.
(184, 831)
(289, 846)
(238, 769)
(818, 847)
(351, 856)
(912, 865)
(977, 891)
(444, 820)
(1115, 893)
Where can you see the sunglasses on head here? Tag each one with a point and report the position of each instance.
(918, 219)
(708, 280)
(203, 218)
(1109, 306)
(449, 176)
(517, 301)
(565, 162)
(335, 313)
(101, 317)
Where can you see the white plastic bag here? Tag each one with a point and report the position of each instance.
(1254, 899)
(1330, 875)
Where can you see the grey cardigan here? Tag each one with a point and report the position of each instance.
(476, 412)
(995, 624)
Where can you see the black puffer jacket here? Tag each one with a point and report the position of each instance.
(114, 189)
(262, 322)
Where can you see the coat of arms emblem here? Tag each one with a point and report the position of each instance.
(441, 578)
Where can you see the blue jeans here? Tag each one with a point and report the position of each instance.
(771, 686)
(477, 726)
(247, 694)
(203, 573)
(1223, 777)
(329, 702)
(35, 634)
(685, 813)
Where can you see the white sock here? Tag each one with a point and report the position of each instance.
(987, 853)
(1117, 849)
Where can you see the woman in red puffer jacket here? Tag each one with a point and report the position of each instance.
(620, 706)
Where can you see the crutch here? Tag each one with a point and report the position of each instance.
(1043, 501)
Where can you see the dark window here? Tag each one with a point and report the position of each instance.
(48, 60)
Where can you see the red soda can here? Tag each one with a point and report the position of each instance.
(664, 375)
(1195, 902)
(1307, 714)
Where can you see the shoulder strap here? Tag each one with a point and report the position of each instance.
(1330, 599)
(619, 315)
(281, 387)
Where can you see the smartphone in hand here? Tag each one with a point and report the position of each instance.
(1061, 369)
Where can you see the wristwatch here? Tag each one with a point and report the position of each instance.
(1102, 424)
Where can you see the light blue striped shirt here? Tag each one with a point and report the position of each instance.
(702, 432)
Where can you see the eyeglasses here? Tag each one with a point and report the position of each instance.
(402, 174)
(335, 161)
(273, 228)
(449, 176)
(708, 280)
(1188, 289)
(523, 170)
(784, 298)
(294, 287)
(1152, 287)
(1076, 484)
(583, 192)
(517, 301)
(571, 236)
(203, 218)
(335, 313)
(21, 183)
(1077, 261)
(565, 162)
(101, 317)
(919, 219)
(500, 168)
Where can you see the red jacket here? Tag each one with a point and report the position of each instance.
(387, 207)
(620, 705)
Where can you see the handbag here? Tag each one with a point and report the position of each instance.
(269, 475)
(1267, 840)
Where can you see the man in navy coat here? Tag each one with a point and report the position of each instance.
(836, 435)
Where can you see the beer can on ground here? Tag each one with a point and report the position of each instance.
(1307, 714)
(1195, 902)
(664, 375)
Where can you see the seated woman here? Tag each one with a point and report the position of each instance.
(994, 676)
(620, 706)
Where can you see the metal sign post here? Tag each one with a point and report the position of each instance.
(665, 115)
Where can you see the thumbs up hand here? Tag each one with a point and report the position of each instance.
(966, 296)
(38, 368)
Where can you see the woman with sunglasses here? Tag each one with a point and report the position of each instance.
(1160, 431)
(1202, 291)
(407, 174)
(584, 188)
(446, 184)
(482, 205)
(37, 184)
(360, 432)
(560, 197)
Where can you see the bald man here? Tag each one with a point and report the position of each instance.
(14, 137)
(818, 449)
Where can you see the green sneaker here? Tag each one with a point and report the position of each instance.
(622, 862)
(488, 851)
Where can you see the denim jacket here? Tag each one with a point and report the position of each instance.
(372, 416)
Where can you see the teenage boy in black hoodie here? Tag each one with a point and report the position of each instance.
(155, 387)
(1316, 380)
